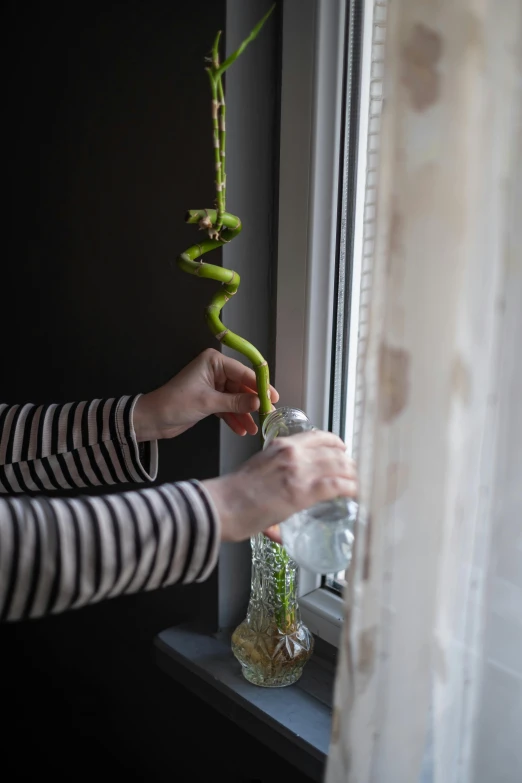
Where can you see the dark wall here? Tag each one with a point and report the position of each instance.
(107, 142)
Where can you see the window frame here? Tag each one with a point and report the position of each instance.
(310, 199)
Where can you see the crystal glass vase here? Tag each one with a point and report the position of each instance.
(272, 644)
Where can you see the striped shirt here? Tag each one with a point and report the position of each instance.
(63, 553)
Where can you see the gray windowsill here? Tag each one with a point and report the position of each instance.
(294, 721)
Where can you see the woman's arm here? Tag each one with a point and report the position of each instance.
(103, 442)
(59, 553)
(85, 444)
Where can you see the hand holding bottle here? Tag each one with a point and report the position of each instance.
(290, 475)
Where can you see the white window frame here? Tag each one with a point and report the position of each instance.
(309, 193)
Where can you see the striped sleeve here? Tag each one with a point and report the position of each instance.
(58, 553)
(76, 445)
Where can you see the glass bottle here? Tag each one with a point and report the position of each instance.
(272, 644)
(320, 538)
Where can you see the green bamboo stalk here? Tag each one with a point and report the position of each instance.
(255, 32)
(222, 227)
(215, 89)
(222, 153)
(215, 72)
(188, 262)
(285, 616)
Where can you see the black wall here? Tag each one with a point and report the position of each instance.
(106, 143)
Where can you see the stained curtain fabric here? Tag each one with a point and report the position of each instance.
(429, 679)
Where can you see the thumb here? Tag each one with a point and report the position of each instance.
(237, 403)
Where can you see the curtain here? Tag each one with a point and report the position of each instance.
(429, 679)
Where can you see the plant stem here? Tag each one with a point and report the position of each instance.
(215, 72)
(188, 262)
(217, 150)
(233, 57)
(222, 227)
(222, 153)
(285, 616)
(216, 90)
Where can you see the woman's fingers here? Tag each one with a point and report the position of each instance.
(237, 373)
(274, 534)
(293, 473)
(233, 387)
(231, 421)
(247, 422)
(335, 486)
(240, 423)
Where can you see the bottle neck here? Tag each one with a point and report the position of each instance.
(283, 422)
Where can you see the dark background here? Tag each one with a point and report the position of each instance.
(107, 142)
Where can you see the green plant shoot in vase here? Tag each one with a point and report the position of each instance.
(272, 644)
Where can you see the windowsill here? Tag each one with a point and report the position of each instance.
(294, 721)
(322, 612)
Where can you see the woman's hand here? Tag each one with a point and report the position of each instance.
(211, 383)
(291, 474)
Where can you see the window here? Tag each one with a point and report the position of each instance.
(330, 113)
